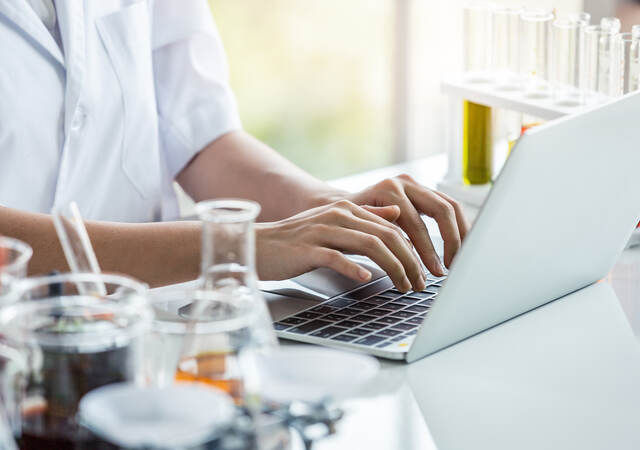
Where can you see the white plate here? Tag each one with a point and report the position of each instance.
(179, 415)
(311, 374)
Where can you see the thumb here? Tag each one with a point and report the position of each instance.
(390, 213)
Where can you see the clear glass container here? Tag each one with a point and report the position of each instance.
(602, 61)
(478, 37)
(14, 259)
(635, 31)
(73, 343)
(565, 63)
(629, 57)
(506, 24)
(535, 47)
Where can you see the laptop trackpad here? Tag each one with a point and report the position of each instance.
(320, 284)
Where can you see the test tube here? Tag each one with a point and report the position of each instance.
(506, 23)
(635, 31)
(535, 33)
(629, 58)
(565, 62)
(600, 59)
(583, 19)
(478, 25)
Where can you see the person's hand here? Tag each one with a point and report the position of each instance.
(413, 200)
(317, 237)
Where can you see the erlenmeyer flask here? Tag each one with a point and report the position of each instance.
(228, 256)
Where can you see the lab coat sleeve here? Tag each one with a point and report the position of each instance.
(194, 100)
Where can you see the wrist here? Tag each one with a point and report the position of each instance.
(326, 197)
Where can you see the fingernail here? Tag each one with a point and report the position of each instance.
(364, 274)
(406, 284)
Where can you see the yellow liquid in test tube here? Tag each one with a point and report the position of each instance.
(476, 144)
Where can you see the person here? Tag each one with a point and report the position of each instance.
(108, 102)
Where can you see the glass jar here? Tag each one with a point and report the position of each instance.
(14, 259)
(74, 341)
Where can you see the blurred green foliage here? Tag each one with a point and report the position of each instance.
(313, 78)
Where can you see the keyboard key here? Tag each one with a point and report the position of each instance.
(403, 314)
(328, 332)
(404, 326)
(384, 344)
(422, 295)
(370, 340)
(361, 331)
(363, 318)
(416, 321)
(409, 333)
(389, 332)
(406, 300)
(388, 320)
(334, 317)
(363, 305)
(390, 295)
(340, 303)
(394, 306)
(280, 326)
(374, 288)
(322, 309)
(310, 326)
(396, 339)
(307, 315)
(378, 300)
(349, 324)
(348, 312)
(379, 312)
(293, 321)
(344, 337)
(374, 325)
(395, 291)
(426, 302)
(417, 308)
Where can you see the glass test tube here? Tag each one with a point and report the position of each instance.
(535, 31)
(600, 60)
(478, 25)
(583, 19)
(565, 62)
(505, 59)
(477, 119)
(629, 58)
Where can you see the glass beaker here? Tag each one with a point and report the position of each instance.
(14, 259)
(535, 46)
(629, 59)
(478, 36)
(75, 343)
(506, 23)
(565, 62)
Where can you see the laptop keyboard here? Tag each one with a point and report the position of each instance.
(376, 315)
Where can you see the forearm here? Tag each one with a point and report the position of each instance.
(238, 165)
(156, 253)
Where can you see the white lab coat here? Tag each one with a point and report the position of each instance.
(139, 89)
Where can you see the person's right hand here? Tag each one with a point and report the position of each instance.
(318, 237)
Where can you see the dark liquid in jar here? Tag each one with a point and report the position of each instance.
(50, 423)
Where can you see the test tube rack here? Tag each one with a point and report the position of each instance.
(458, 89)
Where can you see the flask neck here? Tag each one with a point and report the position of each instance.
(228, 244)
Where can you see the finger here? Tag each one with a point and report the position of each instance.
(389, 213)
(395, 241)
(434, 206)
(415, 228)
(369, 245)
(363, 213)
(333, 259)
(461, 219)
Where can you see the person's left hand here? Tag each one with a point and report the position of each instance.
(413, 200)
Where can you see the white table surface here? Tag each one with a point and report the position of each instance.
(565, 376)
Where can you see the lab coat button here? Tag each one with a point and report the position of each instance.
(79, 119)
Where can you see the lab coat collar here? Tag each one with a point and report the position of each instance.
(21, 13)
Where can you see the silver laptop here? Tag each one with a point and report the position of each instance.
(556, 220)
